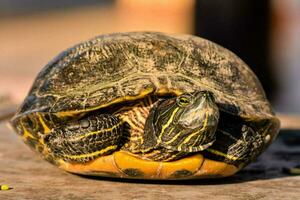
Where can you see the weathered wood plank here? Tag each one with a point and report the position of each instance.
(33, 178)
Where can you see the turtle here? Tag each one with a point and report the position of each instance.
(147, 105)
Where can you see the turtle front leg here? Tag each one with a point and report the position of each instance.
(86, 139)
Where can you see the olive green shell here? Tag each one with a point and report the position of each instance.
(110, 67)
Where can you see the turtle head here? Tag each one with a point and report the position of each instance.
(186, 123)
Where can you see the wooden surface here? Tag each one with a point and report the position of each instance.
(33, 178)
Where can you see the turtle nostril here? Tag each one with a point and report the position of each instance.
(208, 95)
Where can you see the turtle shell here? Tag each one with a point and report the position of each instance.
(124, 65)
(114, 68)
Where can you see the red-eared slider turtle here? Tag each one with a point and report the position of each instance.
(147, 105)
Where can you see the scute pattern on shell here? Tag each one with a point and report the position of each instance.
(124, 64)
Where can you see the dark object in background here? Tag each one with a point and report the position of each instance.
(244, 28)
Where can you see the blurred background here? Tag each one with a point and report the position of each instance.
(265, 34)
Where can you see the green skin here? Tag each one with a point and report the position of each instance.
(178, 126)
(184, 124)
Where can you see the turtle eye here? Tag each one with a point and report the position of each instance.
(183, 101)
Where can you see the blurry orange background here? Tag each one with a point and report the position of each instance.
(28, 40)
